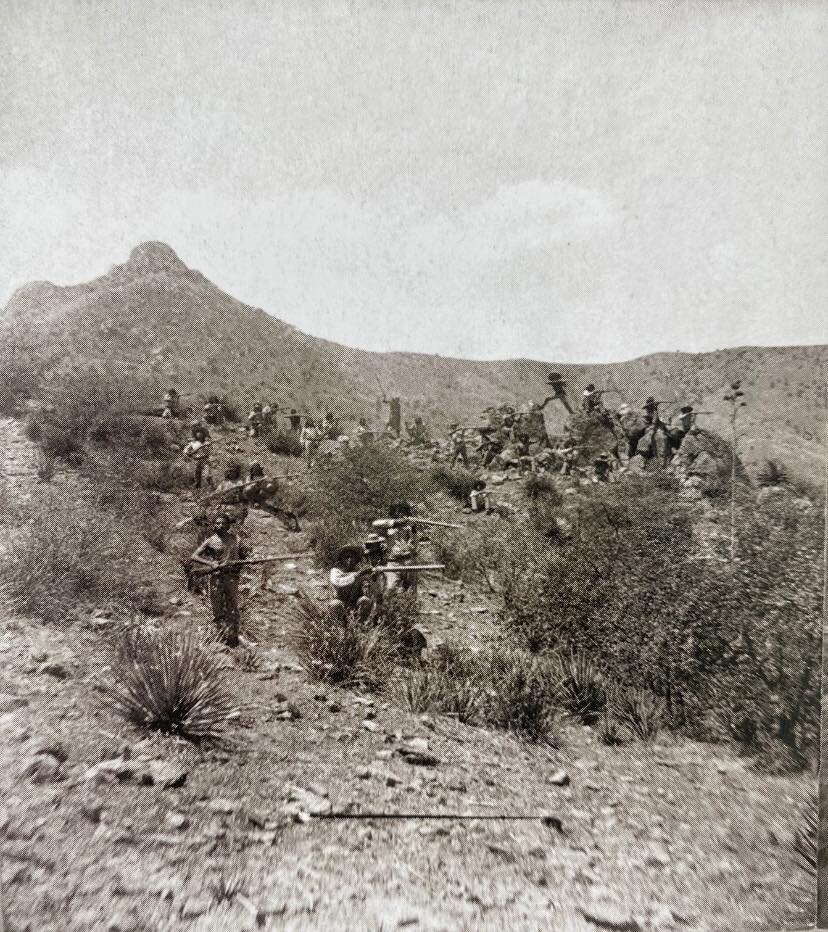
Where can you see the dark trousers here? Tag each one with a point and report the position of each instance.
(224, 599)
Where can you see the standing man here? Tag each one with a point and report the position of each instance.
(457, 445)
(295, 421)
(198, 450)
(255, 420)
(310, 439)
(171, 404)
(681, 425)
(219, 553)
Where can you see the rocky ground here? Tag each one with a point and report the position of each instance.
(327, 809)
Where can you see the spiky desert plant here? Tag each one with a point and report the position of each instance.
(581, 687)
(171, 682)
(641, 712)
(351, 652)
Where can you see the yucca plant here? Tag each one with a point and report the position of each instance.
(173, 683)
(449, 682)
(581, 687)
(641, 712)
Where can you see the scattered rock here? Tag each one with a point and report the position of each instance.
(368, 725)
(417, 757)
(55, 669)
(108, 771)
(177, 820)
(305, 802)
(52, 749)
(9, 703)
(388, 778)
(223, 806)
(611, 916)
(558, 778)
(43, 769)
(167, 775)
(503, 853)
(658, 857)
(196, 906)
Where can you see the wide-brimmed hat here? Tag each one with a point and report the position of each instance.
(649, 403)
(349, 550)
(590, 388)
(555, 378)
(372, 541)
(687, 409)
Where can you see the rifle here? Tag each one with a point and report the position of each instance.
(247, 485)
(258, 561)
(401, 522)
(402, 568)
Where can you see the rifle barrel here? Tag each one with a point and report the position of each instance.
(400, 568)
(428, 523)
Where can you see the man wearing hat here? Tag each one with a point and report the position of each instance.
(681, 425)
(591, 399)
(457, 445)
(350, 583)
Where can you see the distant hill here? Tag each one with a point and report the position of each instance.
(155, 319)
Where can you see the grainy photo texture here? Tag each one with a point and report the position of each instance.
(412, 465)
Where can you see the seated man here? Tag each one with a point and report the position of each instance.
(351, 585)
(478, 497)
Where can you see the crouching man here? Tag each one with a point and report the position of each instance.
(351, 585)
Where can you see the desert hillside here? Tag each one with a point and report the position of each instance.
(158, 321)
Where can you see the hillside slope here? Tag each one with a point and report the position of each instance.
(155, 320)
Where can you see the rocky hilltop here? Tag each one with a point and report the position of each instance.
(153, 318)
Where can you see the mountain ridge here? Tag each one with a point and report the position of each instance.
(156, 320)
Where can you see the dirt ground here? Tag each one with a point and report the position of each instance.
(315, 814)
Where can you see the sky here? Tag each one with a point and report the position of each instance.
(568, 181)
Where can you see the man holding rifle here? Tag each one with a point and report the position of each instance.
(221, 554)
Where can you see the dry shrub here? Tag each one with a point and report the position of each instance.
(286, 444)
(173, 683)
(456, 482)
(348, 653)
(66, 558)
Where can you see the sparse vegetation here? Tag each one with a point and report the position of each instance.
(456, 482)
(173, 683)
(63, 560)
